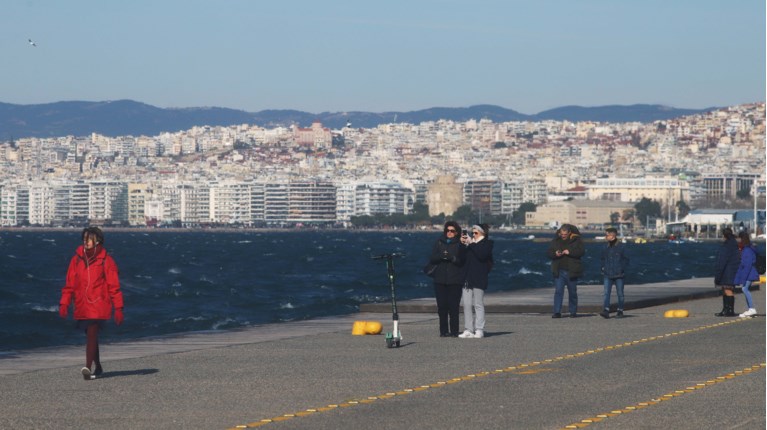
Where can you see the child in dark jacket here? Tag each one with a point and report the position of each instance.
(614, 263)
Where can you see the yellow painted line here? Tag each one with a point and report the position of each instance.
(668, 396)
(512, 370)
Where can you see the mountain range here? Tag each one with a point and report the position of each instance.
(128, 117)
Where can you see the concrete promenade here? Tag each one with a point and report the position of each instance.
(530, 372)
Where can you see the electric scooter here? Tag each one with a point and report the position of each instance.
(393, 338)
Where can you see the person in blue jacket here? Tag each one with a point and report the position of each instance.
(727, 262)
(614, 263)
(479, 261)
(746, 271)
(448, 254)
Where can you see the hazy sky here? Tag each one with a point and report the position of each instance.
(381, 56)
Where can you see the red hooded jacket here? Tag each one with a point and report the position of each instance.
(95, 286)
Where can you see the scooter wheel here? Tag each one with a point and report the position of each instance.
(389, 343)
(396, 344)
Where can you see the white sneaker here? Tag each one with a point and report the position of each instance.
(87, 374)
(479, 334)
(466, 334)
(749, 313)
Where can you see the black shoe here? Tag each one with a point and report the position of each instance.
(453, 334)
(99, 371)
(619, 315)
(444, 335)
(573, 315)
(605, 314)
(557, 315)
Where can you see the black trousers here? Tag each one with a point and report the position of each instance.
(448, 302)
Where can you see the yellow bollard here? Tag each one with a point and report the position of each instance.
(676, 313)
(361, 328)
(373, 327)
(358, 329)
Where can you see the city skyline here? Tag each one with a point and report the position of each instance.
(397, 56)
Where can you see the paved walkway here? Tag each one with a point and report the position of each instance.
(539, 300)
(530, 372)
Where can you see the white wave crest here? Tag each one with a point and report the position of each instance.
(287, 305)
(526, 271)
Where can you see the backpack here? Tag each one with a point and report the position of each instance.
(759, 262)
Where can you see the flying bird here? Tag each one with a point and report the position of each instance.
(31, 42)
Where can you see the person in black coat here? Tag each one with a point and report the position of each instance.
(448, 254)
(727, 262)
(479, 260)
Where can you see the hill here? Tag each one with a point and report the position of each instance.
(128, 117)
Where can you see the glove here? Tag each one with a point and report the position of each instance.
(63, 311)
(119, 316)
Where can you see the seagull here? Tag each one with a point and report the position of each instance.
(31, 42)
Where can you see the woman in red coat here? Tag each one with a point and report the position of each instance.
(92, 280)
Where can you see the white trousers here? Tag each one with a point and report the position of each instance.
(473, 309)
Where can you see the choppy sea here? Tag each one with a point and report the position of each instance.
(199, 281)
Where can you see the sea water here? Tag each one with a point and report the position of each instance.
(175, 282)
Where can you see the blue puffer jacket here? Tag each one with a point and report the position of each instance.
(614, 260)
(727, 262)
(746, 270)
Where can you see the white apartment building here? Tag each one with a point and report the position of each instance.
(138, 194)
(108, 200)
(385, 198)
(345, 201)
(666, 190)
(8, 205)
(230, 203)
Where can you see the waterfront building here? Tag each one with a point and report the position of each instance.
(581, 213)
(385, 197)
(345, 201)
(71, 203)
(229, 203)
(138, 194)
(718, 186)
(311, 202)
(667, 190)
(8, 206)
(107, 202)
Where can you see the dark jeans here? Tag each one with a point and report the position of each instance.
(448, 300)
(560, 282)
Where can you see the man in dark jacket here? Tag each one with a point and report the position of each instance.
(614, 262)
(448, 254)
(565, 252)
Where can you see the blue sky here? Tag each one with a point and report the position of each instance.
(392, 55)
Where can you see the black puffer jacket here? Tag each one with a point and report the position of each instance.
(449, 255)
(727, 262)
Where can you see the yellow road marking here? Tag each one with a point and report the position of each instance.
(510, 369)
(668, 396)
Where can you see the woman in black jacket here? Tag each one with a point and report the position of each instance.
(727, 262)
(479, 259)
(448, 254)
